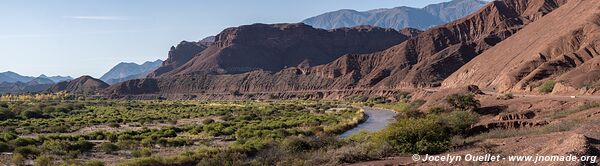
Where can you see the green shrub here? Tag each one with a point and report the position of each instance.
(420, 135)
(31, 113)
(28, 151)
(143, 152)
(547, 87)
(18, 159)
(42, 161)
(4, 147)
(509, 96)
(296, 144)
(6, 136)
(465, 102)
(430, 134)
(403, 96)
(436, 110)
(93, 163)
(459, 121)
(23, 141)
(6, 114)
(108, 148)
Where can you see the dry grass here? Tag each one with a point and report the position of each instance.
(565, 113)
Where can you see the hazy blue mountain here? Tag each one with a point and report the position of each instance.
(56, 79)
(399, 17)
(41, 80)
(35, 85)
(12, 77)
(453, 10)
(129, 71)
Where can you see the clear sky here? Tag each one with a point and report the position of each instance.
(88, 37)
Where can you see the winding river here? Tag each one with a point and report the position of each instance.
(377, 119)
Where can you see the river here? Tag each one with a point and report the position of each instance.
(377, 119)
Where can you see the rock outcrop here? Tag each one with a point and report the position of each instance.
(178, 55)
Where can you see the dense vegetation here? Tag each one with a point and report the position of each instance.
(75, 132)
(65, 130)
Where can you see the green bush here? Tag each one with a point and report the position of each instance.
(28, 151)
(426, 135)
(23, 141)
(6, 136)
(459, 121)
(417, 135)
(465, 102)
(6, 114)
(547, 87)
(108, 148)
(4, 147)
(31, 113)
(18, 159)
(143, 152)
(93, 163)
(296, 144)
(403, 96)
(436, 110)
(42, 161)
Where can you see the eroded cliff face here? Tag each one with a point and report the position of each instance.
(562, 46)
(179, 55)
(296, 57)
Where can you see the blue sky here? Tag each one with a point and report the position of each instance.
(88, 37)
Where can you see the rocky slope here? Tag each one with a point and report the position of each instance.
(128, 71)
(551, 48)
(81, 85)
(399, 17)
(249, 59)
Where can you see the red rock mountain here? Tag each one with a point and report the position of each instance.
(275, 47)
(296, 57)
(563, 46)
(261, 48)
(84, 84)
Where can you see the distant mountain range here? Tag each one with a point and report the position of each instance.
(399, 17)
(129, 71)
(11, 82)
(12, 77)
